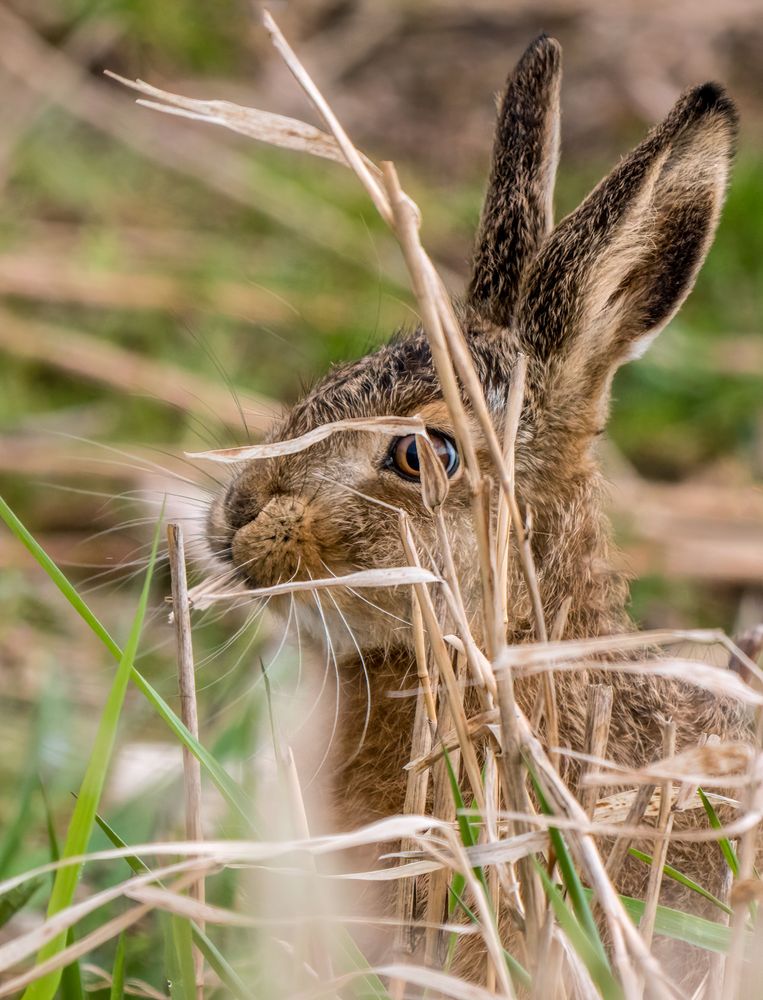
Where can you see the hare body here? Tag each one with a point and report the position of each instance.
(578, 300)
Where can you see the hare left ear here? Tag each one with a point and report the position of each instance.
(517, 213)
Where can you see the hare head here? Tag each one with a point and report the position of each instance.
(577, 299)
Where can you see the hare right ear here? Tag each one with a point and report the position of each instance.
(615, 271)
(517, 213)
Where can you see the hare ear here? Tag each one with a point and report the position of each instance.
(615, 271)
(517, 213)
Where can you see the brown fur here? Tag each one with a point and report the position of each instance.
(579, 300)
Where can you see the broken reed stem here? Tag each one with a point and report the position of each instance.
(188, 712)
(660, 851)
(598, 719)
(635, 814)
(516, 787)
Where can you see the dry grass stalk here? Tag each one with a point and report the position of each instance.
(445, 669)
(181, 617)
(514, 403)
(444, 808)
(598, 718)
(659, 855)
(43, 277)
(417, 783)
(636, 813)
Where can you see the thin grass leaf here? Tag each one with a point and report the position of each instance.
(135, 863)
(680, 926)
(184, 987)
(599, 971)
(469, 830)
(368, 986)
(118, 971)
(217, 961)
(16, 899)
(724, 843)
(519, 973)
(571, 878)
(15, 831)
(71, 977)
(83, 817)
(469, 838)
(227, 787)
(466, 826)
(678, 876)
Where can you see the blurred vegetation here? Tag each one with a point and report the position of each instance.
(79, 203)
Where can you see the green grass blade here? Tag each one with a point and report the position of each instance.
(71, 978)
(466, 826)
(83, 817)
(368, 986)
(185, 985)
(228, 975)
(138, 867)
(681, 926)
(519, 973)
(228, 788)
(723, 842)
(118, 971)
(15, 831)
(678, 876)
(16, 899)
(589, 954)
(570, 878)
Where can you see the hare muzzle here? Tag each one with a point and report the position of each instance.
(279, 542)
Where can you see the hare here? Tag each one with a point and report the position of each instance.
(578, 299)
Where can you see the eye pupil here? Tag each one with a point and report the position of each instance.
(404, 455)
(412, 456)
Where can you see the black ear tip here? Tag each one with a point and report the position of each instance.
(712, 98)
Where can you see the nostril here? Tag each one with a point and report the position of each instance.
(240, 510)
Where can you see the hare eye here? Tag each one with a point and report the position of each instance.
(404, 456)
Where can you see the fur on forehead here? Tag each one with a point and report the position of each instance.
(399, 378)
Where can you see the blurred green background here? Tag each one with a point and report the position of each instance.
(236, 265)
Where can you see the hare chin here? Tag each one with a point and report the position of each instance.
(330, 624)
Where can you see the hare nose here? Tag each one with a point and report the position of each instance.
(277, 540)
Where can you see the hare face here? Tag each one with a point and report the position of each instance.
(334, 508)
(578, 300)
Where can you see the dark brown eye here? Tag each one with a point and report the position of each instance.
(404, 455)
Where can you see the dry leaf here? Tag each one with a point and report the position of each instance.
(397, 426)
